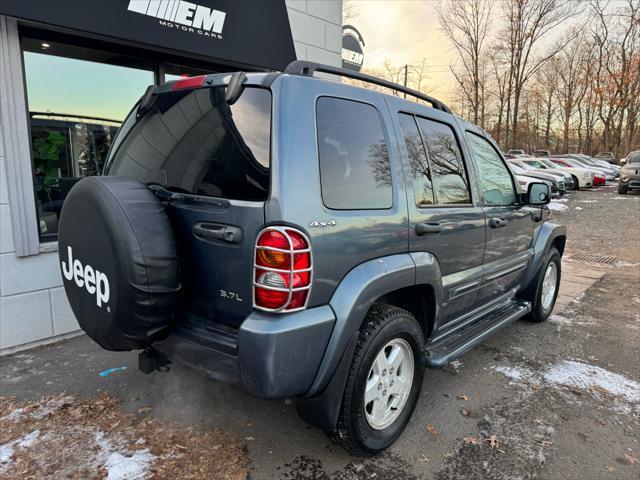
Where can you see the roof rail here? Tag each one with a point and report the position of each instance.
(307, 69)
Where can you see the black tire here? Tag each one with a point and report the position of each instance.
(622, 189)
(576, 183)
(538, 313)
(383, 324)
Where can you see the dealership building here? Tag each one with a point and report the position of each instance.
(70, 71)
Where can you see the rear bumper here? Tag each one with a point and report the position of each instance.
(271, 355)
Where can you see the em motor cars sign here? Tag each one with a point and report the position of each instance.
(352, 48)
(246, 34)
(178, 13)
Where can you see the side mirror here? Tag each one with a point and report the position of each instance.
(623, 161)
(538, 194)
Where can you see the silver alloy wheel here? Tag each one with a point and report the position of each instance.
(388, 383)
(549, 285)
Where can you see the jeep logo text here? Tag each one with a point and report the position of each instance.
(93, 280)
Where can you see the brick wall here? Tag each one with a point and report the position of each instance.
(316, 26)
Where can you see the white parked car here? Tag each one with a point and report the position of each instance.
(566, 177)
(524, 182)
(580, 161)
(582, 176)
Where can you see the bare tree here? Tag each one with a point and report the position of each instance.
(546, 83)
(616, 37)
(527, 22)
(466, 24)
(568, 68)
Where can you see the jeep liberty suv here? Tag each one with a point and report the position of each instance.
(303, 238)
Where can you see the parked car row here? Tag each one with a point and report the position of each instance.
(575, 170)
(605, 157)
(557, 183)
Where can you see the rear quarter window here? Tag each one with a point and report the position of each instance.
(355, 173)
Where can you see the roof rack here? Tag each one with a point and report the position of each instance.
(307, 69)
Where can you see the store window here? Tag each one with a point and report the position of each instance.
(176, 72)
(77, 99)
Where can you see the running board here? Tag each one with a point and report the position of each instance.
(449, 347)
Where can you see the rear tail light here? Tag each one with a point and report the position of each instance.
(282, 270)
(192, 82)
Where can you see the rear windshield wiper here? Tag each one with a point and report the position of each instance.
(169, 196)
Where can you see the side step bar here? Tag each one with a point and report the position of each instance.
(449, 347)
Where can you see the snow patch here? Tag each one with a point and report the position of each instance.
(7, 449)
(456, 365)
(566, 321)
(578, 375)
(13, 415)
(121, 463)
(513, 373)
(588, 201)
(557, 207)
(578, 208)
(50, 407)
(589, 377)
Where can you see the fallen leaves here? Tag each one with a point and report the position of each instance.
(85, 431)
(492, 441)
(630, 459)
(432, 430)
(469, 440)
(462, 397)
(423, 458)
(465, 412)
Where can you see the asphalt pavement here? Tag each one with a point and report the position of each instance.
(558, 400)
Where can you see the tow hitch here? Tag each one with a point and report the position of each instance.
(150, 360)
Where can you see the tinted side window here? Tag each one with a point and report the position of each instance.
(496, 185)
(420, 170)
(354, 161)
(449, 179)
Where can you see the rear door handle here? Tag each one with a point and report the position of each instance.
(497, 222)
(215, 231)
(424, 228)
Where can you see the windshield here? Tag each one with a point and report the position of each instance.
(524, 166)
(517, 169)
(534, 163)
(634, 158)
(193, 142)
(574, 163)
(586, 161)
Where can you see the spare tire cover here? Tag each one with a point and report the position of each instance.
(118, 260)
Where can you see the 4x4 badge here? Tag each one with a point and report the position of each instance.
(316, 223)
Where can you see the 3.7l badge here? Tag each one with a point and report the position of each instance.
(230, 295)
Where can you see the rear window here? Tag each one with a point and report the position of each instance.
(193, 142)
